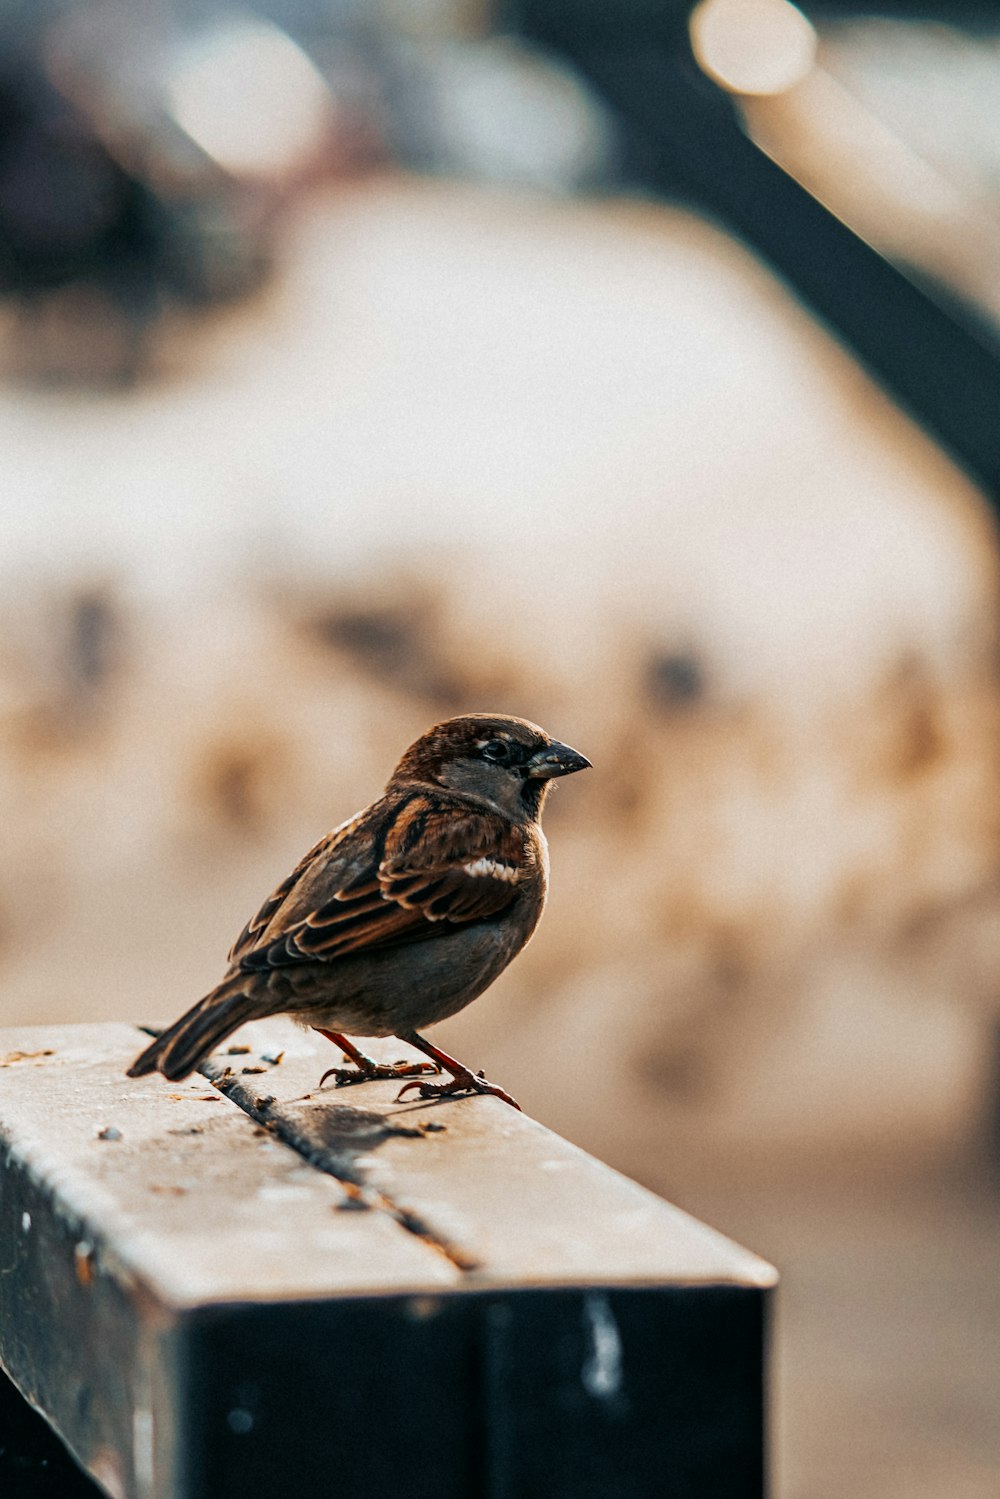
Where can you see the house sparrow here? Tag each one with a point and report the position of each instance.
(401, 916)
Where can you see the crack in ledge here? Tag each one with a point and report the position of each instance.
(261, 1110)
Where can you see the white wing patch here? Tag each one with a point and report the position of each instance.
(492, 869)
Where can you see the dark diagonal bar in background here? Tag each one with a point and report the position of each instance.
(682, 138)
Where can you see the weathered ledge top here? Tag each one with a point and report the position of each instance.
(320, 1194)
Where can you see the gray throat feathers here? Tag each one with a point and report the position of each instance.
(493, 786)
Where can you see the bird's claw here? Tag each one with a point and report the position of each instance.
(464, 1082)
(346, 1076)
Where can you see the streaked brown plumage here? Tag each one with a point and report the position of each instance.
(402, 915)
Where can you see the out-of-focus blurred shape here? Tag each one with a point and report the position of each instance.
(891, 124)
(250, 98)
(499, 110)
(680, 136)
(148, 163)
(753, 46)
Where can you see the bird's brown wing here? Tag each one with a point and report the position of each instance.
(320, 852)
(405, 871)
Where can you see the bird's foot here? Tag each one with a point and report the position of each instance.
(462, 1082)
(345, 1076)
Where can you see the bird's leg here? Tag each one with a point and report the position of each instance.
(462, 1080)
(366, 1067)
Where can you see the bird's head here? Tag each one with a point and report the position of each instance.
(507, 763)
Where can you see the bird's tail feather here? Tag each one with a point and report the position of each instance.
(178, 1050)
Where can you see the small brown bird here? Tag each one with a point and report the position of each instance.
(401, 916)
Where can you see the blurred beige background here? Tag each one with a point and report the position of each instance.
(589, 463)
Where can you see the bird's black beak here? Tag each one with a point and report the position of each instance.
(555, 760)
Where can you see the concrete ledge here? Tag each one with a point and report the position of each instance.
(239, 1281)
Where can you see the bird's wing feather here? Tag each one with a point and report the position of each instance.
(404, 871)
(320, 853)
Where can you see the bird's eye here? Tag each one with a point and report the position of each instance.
(496, 749)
